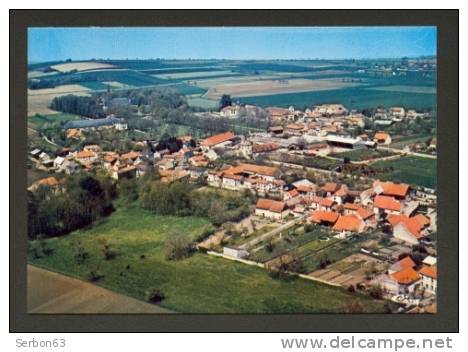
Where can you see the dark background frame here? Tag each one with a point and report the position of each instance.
(446, 320)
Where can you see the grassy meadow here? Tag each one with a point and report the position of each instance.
(198, 284)
(410, 169)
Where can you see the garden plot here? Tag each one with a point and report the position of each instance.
(351, 270)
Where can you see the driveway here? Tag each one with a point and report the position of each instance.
(53, 293)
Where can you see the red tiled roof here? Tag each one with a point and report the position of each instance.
(326, 216)
(348, 223)
(131, 155)
(365, 213)
(327, 202)
(305, 188)
(343, 191)
(351, 206)
(330, 187)
(393, 189)
(217, 139)
(422, 220)
(406, 276)
(430, 271)
(271, 205)
(414, 224)
(252, 168)
(48, 181)
(404, 263)
(85, 154)
(387, 203)
(293, 193)
(261, 148)
(381, 136)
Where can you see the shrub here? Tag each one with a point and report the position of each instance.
(108, 252)
(95, 275)
(155, 295)
(178, 247)
(81, 255)
(376, 292)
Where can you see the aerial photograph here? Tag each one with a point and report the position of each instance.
(232, 170)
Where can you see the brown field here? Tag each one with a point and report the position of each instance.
(214, 82)
(269, 87)
(80, 66)
(39, 99)
(52, 293)
(115, 84)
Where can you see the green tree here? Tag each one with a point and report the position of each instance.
(225, 101)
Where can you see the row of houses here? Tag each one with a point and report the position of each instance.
(343, 210)
(405, 278)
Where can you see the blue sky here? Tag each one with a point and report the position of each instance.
(48, 44)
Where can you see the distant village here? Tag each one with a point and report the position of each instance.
(400, 217)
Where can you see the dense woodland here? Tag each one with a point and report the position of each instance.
(77, 202)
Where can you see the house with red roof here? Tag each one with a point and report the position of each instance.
(327, 204)
(271, 209)
(403, 282)
(324, 217)
(390, 189)
(385, 205)
(409, 229)
(341, 194)
(429, 278)
(349, 223)
(218, 140)
(402, 264)
(329, 188)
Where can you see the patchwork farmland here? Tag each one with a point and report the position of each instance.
(263, 83)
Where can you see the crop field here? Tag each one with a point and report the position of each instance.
(407, 89)
(410, 169)
(195, 74)
(94, 85)
(81, 66)
(198, 284)
(336, 251)
(300, 242)
(401, 142)
(38, 121)
(269, 87)
(37, 74)
(128, 77)
(353, 98)
(198, 102)
(39, 99)
(299, 83)
(363, 154)
(187, 89)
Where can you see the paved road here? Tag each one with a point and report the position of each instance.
(53, 293)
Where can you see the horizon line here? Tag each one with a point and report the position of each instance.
(237, 59)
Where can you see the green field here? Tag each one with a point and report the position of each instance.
(198, 102)
(407, 89)
(38, 121)
(401, 142)
(353, 98)
(410, 169)
(363, 154)
(414, 90)
(199, 284)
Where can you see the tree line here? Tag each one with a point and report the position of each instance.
(182, 198)
(80, 200)
(79, 105)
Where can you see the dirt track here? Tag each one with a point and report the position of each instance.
(53, 293)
